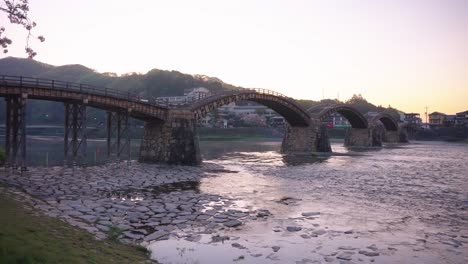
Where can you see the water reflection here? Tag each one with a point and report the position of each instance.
(48, 151)
(407, 200)
(363, 149)
(218, 149)
(296, 160)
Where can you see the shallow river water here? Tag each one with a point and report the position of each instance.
(398, 204)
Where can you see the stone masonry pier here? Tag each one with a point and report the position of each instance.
(299, 140)
(173, 142)
(358, 137)
(392, 137)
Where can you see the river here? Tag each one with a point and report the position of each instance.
(397, 204)
(408, 202)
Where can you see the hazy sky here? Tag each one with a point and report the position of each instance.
(404, 53)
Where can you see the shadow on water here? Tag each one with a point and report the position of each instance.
(141, 193)
(363, 149)
(376, 149)
(304, 159)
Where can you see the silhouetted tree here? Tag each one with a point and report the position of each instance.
(356, 99)
(17, 13)
(254, 120)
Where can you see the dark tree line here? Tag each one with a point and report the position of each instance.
(155, 83)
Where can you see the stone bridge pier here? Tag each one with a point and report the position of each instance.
(403, 135)
(322, 141)
(392, 137)
(380, 135)
(374, 136)
(299, 139)
(174, 141)
(359, 137)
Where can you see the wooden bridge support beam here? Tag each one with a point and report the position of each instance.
(15, 134)
(75, 135)
(118, 135)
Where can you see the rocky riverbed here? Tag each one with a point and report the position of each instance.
(393, 205)
(145, 202)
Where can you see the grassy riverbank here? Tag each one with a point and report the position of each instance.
(29, 237)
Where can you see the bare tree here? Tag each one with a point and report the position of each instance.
(17, 12)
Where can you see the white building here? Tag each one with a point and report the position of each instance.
(197, 93)
(247, 109)
(189, 95)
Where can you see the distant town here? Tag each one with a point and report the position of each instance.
(255, 115)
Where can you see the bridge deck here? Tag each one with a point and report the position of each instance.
(103, 98)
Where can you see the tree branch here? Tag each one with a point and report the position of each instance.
(17, 13)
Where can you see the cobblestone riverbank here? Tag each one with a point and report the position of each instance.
(144, 202)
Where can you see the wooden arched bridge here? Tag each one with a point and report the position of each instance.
(170, 131)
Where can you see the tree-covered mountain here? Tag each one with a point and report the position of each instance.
(155, 83)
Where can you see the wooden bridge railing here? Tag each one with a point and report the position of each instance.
(28, 82)
(194, 99)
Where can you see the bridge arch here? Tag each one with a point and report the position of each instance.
(355, 118)
(294, 114)
(387, 120)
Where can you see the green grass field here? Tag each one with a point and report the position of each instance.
(29, 237)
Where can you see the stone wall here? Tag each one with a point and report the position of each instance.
(323, 140)
(172, 142)
(392, 137)
(299, 139)
(378, 135)
(403, 136)
(359, 137)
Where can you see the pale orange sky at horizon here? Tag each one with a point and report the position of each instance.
(407, 54)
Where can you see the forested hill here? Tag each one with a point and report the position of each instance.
(154, 83)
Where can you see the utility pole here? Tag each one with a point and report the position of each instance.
(426, 114)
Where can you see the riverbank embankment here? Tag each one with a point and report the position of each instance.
(27, 235)
(142, 203)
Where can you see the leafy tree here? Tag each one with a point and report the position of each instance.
(260, 111)
(361, 104)
(330, 101)
(17, 13)
(357, 99)
(254, 120)
(307, 103)
(393, 112)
